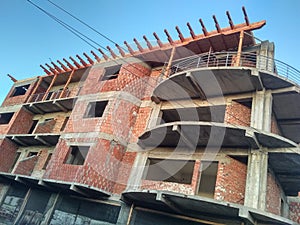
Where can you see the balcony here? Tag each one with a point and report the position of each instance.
(193, 134)
(218, 74)
(52, 101)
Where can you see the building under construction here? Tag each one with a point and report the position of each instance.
(199, 130)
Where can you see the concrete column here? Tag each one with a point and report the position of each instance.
(257, 110)
(137, 171)
(256, 184)
(261, 112)
(267, 117)
(266, 56)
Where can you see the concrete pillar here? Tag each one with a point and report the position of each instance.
(266, 56)
(267, 114)
(257, 110)
(124, 214)
(256, 184)
(261, 112)
(137, 171)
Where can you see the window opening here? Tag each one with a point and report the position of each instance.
(5, 118)
(95, 109)
(21, 90)
(208, 179)
(77, 155)
(111, 72)
(169, 170)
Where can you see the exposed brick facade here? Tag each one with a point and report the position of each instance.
(7, 154)
(14, 100)
(294, 209)
(273, 198)
(22, 122)
(26, 166)
(45, 127)
(231, 181)
(238, 114)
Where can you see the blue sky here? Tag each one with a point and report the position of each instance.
(30, 38)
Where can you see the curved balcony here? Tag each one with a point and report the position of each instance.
(209, 211)
(193, 134)
(215, 74)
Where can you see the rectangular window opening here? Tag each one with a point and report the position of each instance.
(111, 72)
(77, 155)
(21, 90)
(5, 118)
(169, 170)
(208, 114)
(208, 179)
(95, 109)
(47, 161)
(33, 126)
(64, 123)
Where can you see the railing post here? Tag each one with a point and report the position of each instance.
(226, 61)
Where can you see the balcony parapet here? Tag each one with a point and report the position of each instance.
(229, 59)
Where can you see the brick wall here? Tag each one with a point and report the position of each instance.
(186, 189)
(231, 181)
(124, 171)
(130, 79)
(45, 127)
(101, 167)
(238, 114)
(26, 166)
(294, 208)
(7, 154)
(274, 125)
(17, 99)
(142, 120)
(22, 121)
(273, 198)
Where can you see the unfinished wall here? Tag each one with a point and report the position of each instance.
(7, 154)
(101, 166)
(124, 171)
(274, 125)
(22, 121)
(142, 120)
(238, 114)
(130, 79)
(231, 180)
(26, 166)
(294, 208)
(273, 198)
(14, 100)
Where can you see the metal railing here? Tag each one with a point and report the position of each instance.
(230, 59)
(51, 95)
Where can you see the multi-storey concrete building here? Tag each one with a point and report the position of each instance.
(199, 130)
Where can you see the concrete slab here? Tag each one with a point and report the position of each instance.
(192, 134)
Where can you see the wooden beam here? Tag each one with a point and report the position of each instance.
(239, 53)
(35, 89)
(49, 88)
(67, 83)
(167, 72)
